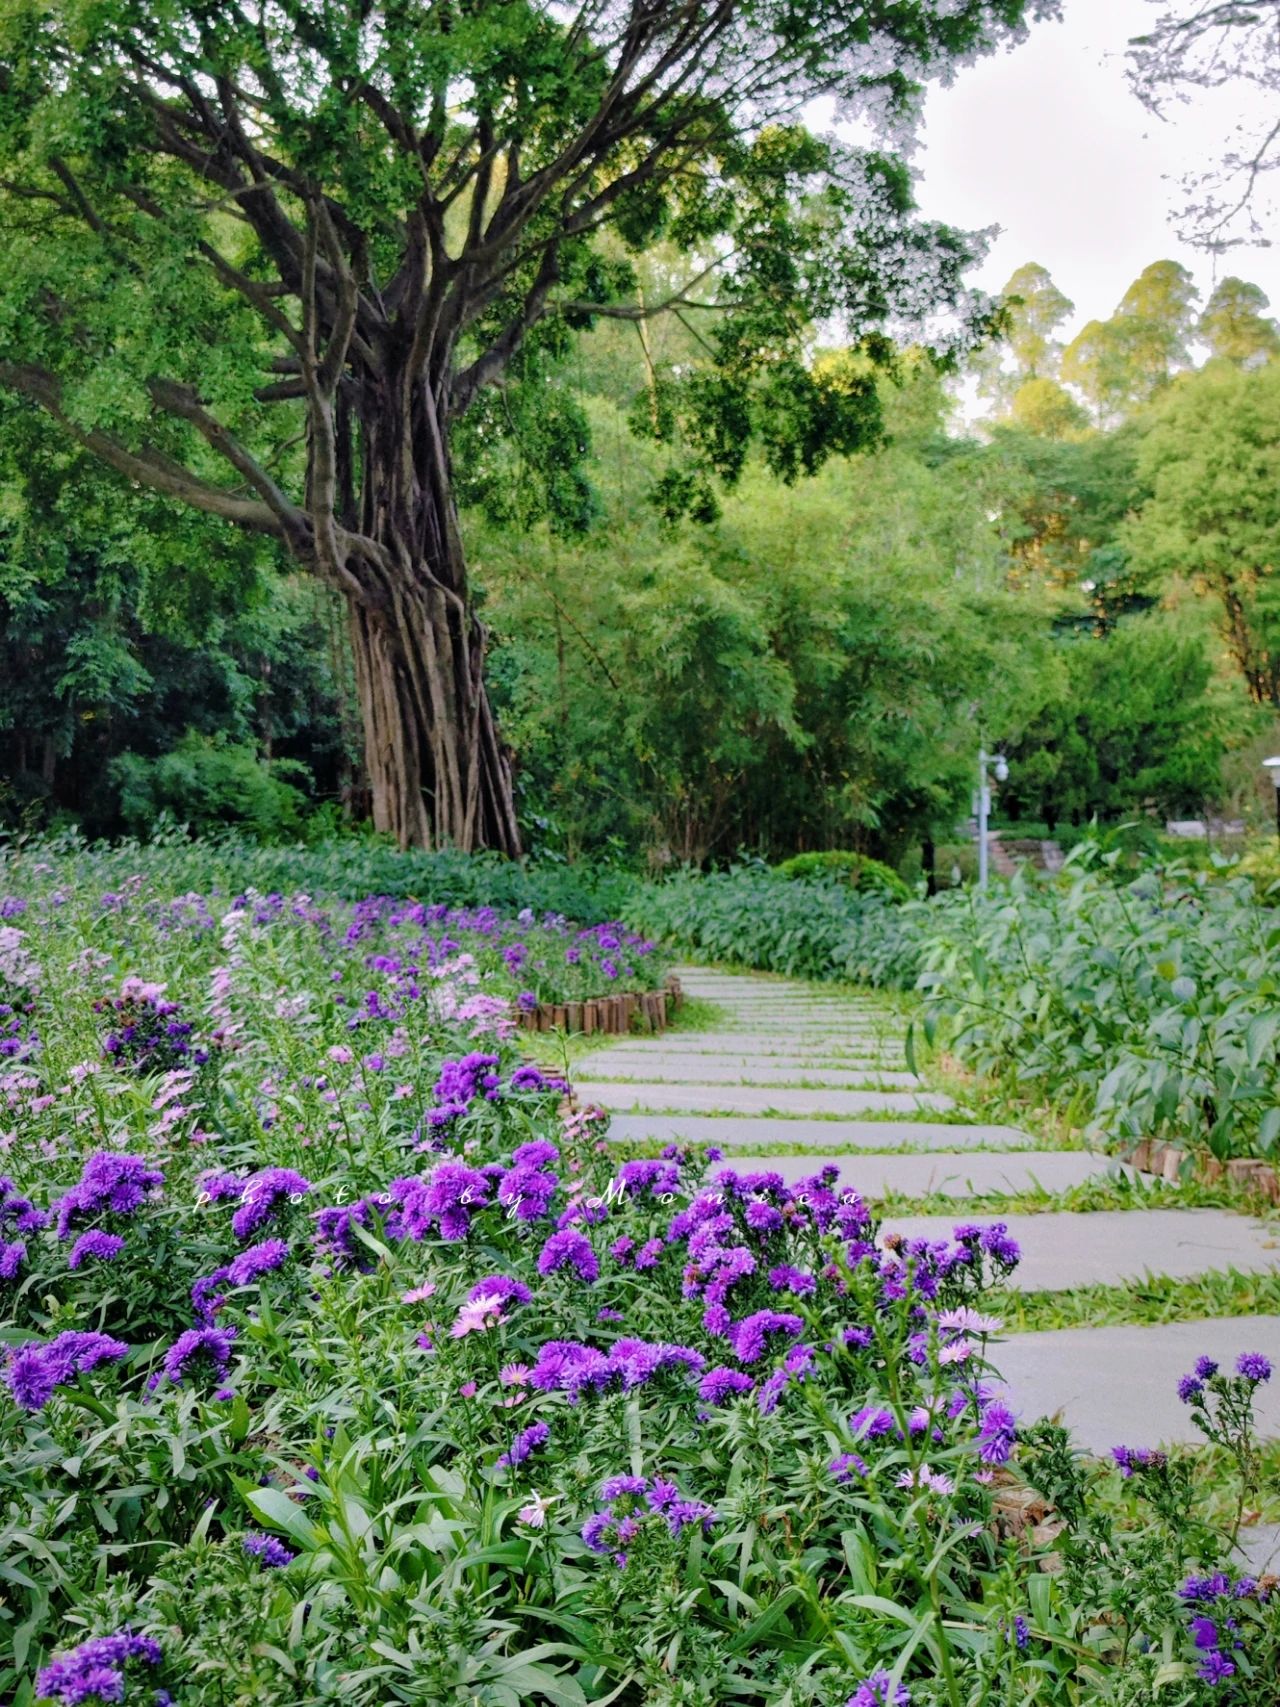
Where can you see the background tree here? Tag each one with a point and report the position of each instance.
(1122, 363)
(1211, 460)
(1235, 326)
(262, 262)
(1026, 351)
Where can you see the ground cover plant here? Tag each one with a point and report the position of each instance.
(1144, 1005)
(346, 1362)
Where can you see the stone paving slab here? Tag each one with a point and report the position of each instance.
(1107, 1247)
(823, 1135)
(1260, 1545)
(753, 1045)
(956, 1176)
(680, 1070)
(753, 1099)
(1118, 1386)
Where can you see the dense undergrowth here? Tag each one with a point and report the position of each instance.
(344, 1366)
(1146, 1005)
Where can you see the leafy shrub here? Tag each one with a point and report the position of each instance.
(803, 927)
(207, 782)
(859, 871)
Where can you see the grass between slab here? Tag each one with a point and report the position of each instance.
(1149, 1302)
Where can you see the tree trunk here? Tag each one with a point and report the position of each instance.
(438, 773)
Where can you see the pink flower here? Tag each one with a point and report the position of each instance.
(967, 1321)
(419, 1293)
(535, 1513)
(514, 1374)
(340, 1054)
(468, 1389)
(481, 1313)
(959, 1351)
(924, 1477)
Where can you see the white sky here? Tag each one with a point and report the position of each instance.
(1047, 142)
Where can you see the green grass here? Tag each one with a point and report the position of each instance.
(1146, 1302)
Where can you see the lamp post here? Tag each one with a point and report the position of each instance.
(1000, 767)
(1272, 767)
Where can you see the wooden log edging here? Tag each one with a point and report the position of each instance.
(1167, 1161)
(609, 1015)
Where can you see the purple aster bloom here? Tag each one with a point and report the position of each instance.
(261, 1196)
(720, 1385)
(1253, 1366)
(614, 1487)
(95, 1244)
(681, 1513)
(1216, 1668)
(17, 1213)
(257, 1260)
(1204, 1632)
(1206, 1368)
(1205, 1588)
(879, 1690)
(12, 1257)
(35, 1370)
(996, 1437)
(647, 1256)
(749, 1336)
(112, 1183)
(848, 1464)
(537, 1154)
(96, 1669)
(784, 1278)
(1189, 1388)
(568, 1249)
(503, 1287)
(267, 1550)
(200, 1348)
(527, 1441)
(594, 1530)
(870, 1423)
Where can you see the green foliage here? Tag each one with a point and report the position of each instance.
(206, 782)
(1149, 1006)
(859, 871)
(1211, 460)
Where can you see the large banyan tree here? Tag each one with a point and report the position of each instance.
(261, 257)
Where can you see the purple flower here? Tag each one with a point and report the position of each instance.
(527, 1441)
(1189, 1388)
(997, 1434)
(720, 1385)
(1253, 1366)
(1206, 1368)
(846, 1465)
(1204, 1632)
(748, 1337)
(614, 1487)
(35, 1370)
(502, 1287)
(1215, 1667)
(267, 1549)
(103, 1247)
(200, 1348)
(257, 1260)
(110, 1183)
(12, 1257)
(96, 1669)
(261, 1196)
(784, 1278)
(879, 1690)
(569, 1249)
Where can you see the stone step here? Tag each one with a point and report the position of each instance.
(1118, 1386)
(820, 1135)
(752, 1046)
(1107, 1247)
(668, 1070)
(952, 1175)
(752, 1099)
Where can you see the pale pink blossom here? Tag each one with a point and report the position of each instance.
(419, 1293)
(535, 1513)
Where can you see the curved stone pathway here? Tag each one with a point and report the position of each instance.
(797, 1079)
